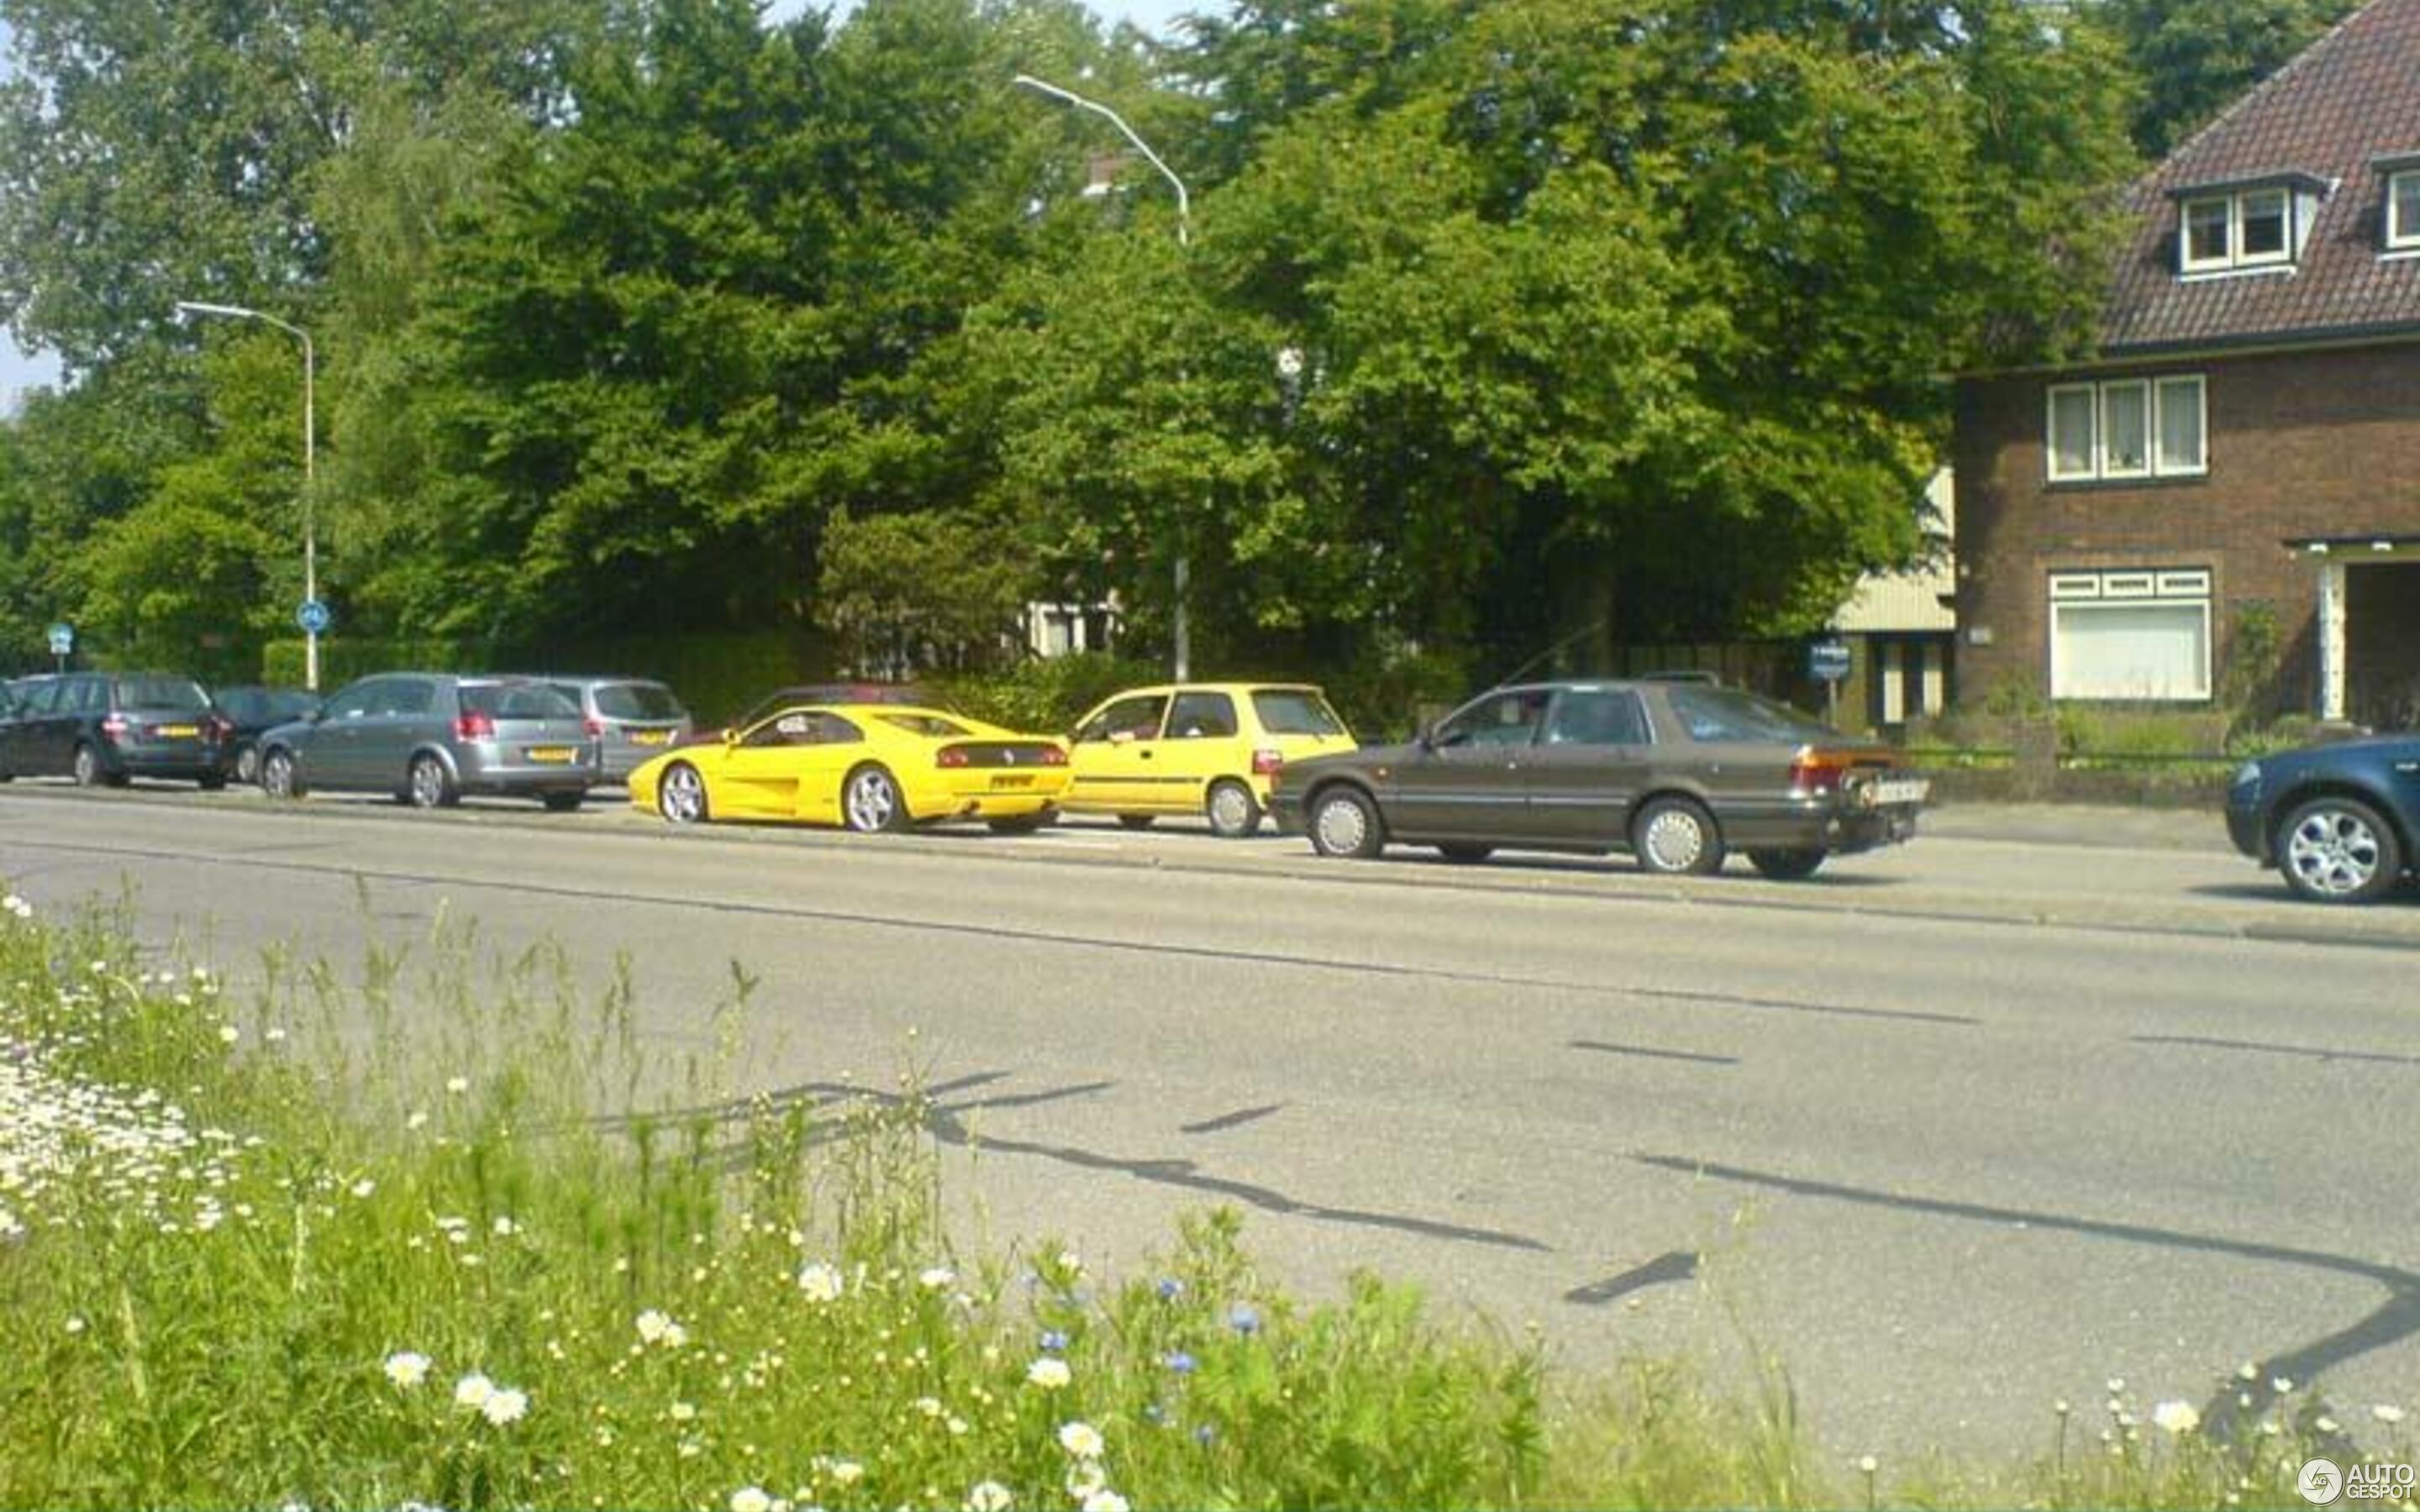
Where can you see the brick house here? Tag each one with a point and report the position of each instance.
(2239, 465)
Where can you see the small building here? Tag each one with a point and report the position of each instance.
(2223, 501)
(1901, 630)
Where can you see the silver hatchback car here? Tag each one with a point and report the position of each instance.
(633, 719)
(430, 738)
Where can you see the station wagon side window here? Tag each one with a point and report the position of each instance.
(1597, 716)
(1137, 717)
(1202, 716)
(406, 696)
(1498, 720)
(92, 695)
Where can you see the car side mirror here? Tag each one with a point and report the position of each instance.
(314, 716)
(730, 735)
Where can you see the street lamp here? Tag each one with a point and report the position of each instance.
(310, 534)
(1183, 239)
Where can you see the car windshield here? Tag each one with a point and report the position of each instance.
(926, 724)
(178, 694)
(1296, 711)
(517, 701)
(638, 701)
(1716, 713)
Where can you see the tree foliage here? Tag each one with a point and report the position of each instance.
(651, 314)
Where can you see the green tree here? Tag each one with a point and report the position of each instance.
(2198, 57)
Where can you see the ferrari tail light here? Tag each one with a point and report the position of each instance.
(475, 727)
(114, 727)
(1818, 771)
(1053, 756)
(1267, 761)
(951, 756)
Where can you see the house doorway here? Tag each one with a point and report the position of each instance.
(2381, 632)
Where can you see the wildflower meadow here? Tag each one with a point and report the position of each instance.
(415, 1237)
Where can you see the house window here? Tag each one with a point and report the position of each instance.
(2252, 228)
(2403, 209)
(2127, 428)
(2134, 635)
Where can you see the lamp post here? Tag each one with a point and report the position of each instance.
(310, 451)
(1184, 647)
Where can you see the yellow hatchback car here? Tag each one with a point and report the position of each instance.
(865, 767)
(1197, 748)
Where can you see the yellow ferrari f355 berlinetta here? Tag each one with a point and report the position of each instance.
(864, 766)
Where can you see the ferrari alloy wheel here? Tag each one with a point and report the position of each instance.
(680, 795)
(872, 802)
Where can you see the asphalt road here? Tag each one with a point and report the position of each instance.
(1952, 1132)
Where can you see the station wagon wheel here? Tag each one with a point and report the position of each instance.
(870, 801)
(86, 768)
(278, 778)
(247, 765)
(2336, 849)
(429, 785)
(1676, 837)
(680, 796)
(1786, 866)
(1343, 823)
(1233, 812)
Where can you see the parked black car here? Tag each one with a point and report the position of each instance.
(2340, 820)
(1679, 773)
(107, 727)
(255, 711)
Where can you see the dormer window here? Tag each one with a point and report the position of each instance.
(2403, 209)
(2225, 229)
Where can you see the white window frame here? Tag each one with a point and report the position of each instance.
(2123, 591)
(2158, 392)
(2401, 237)
(2234, 258)
(2240, 213)
(2141, 390)
(2185, 259)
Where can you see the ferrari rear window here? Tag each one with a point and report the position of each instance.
(926, 724)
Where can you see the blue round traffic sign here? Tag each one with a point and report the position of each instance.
(62, 639)
(314, 617)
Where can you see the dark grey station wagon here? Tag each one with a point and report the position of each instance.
(1677, 774)
(430, 738)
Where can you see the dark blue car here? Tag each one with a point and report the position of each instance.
(2341, 822)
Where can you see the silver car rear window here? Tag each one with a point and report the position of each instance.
(638, 701)
(517, 701)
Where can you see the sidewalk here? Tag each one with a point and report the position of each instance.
(2117, 826)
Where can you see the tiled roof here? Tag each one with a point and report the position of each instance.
(2350, 98)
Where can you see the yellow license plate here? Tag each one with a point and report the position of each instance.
(177, 731)
(1004, 780)
(649, 737)
(552, 755)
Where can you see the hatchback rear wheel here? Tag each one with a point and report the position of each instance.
(429, 785)
(1233, 812)
(2336, 849)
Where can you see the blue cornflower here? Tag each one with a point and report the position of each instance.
(1053, 1341)
(1154, 1412)
(1180, 1361)
(1244, 1318)
(1170, 1288)
(1204, 1434)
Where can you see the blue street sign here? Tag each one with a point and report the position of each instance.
(1827, 660)
(62, 639)
(314, 617)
